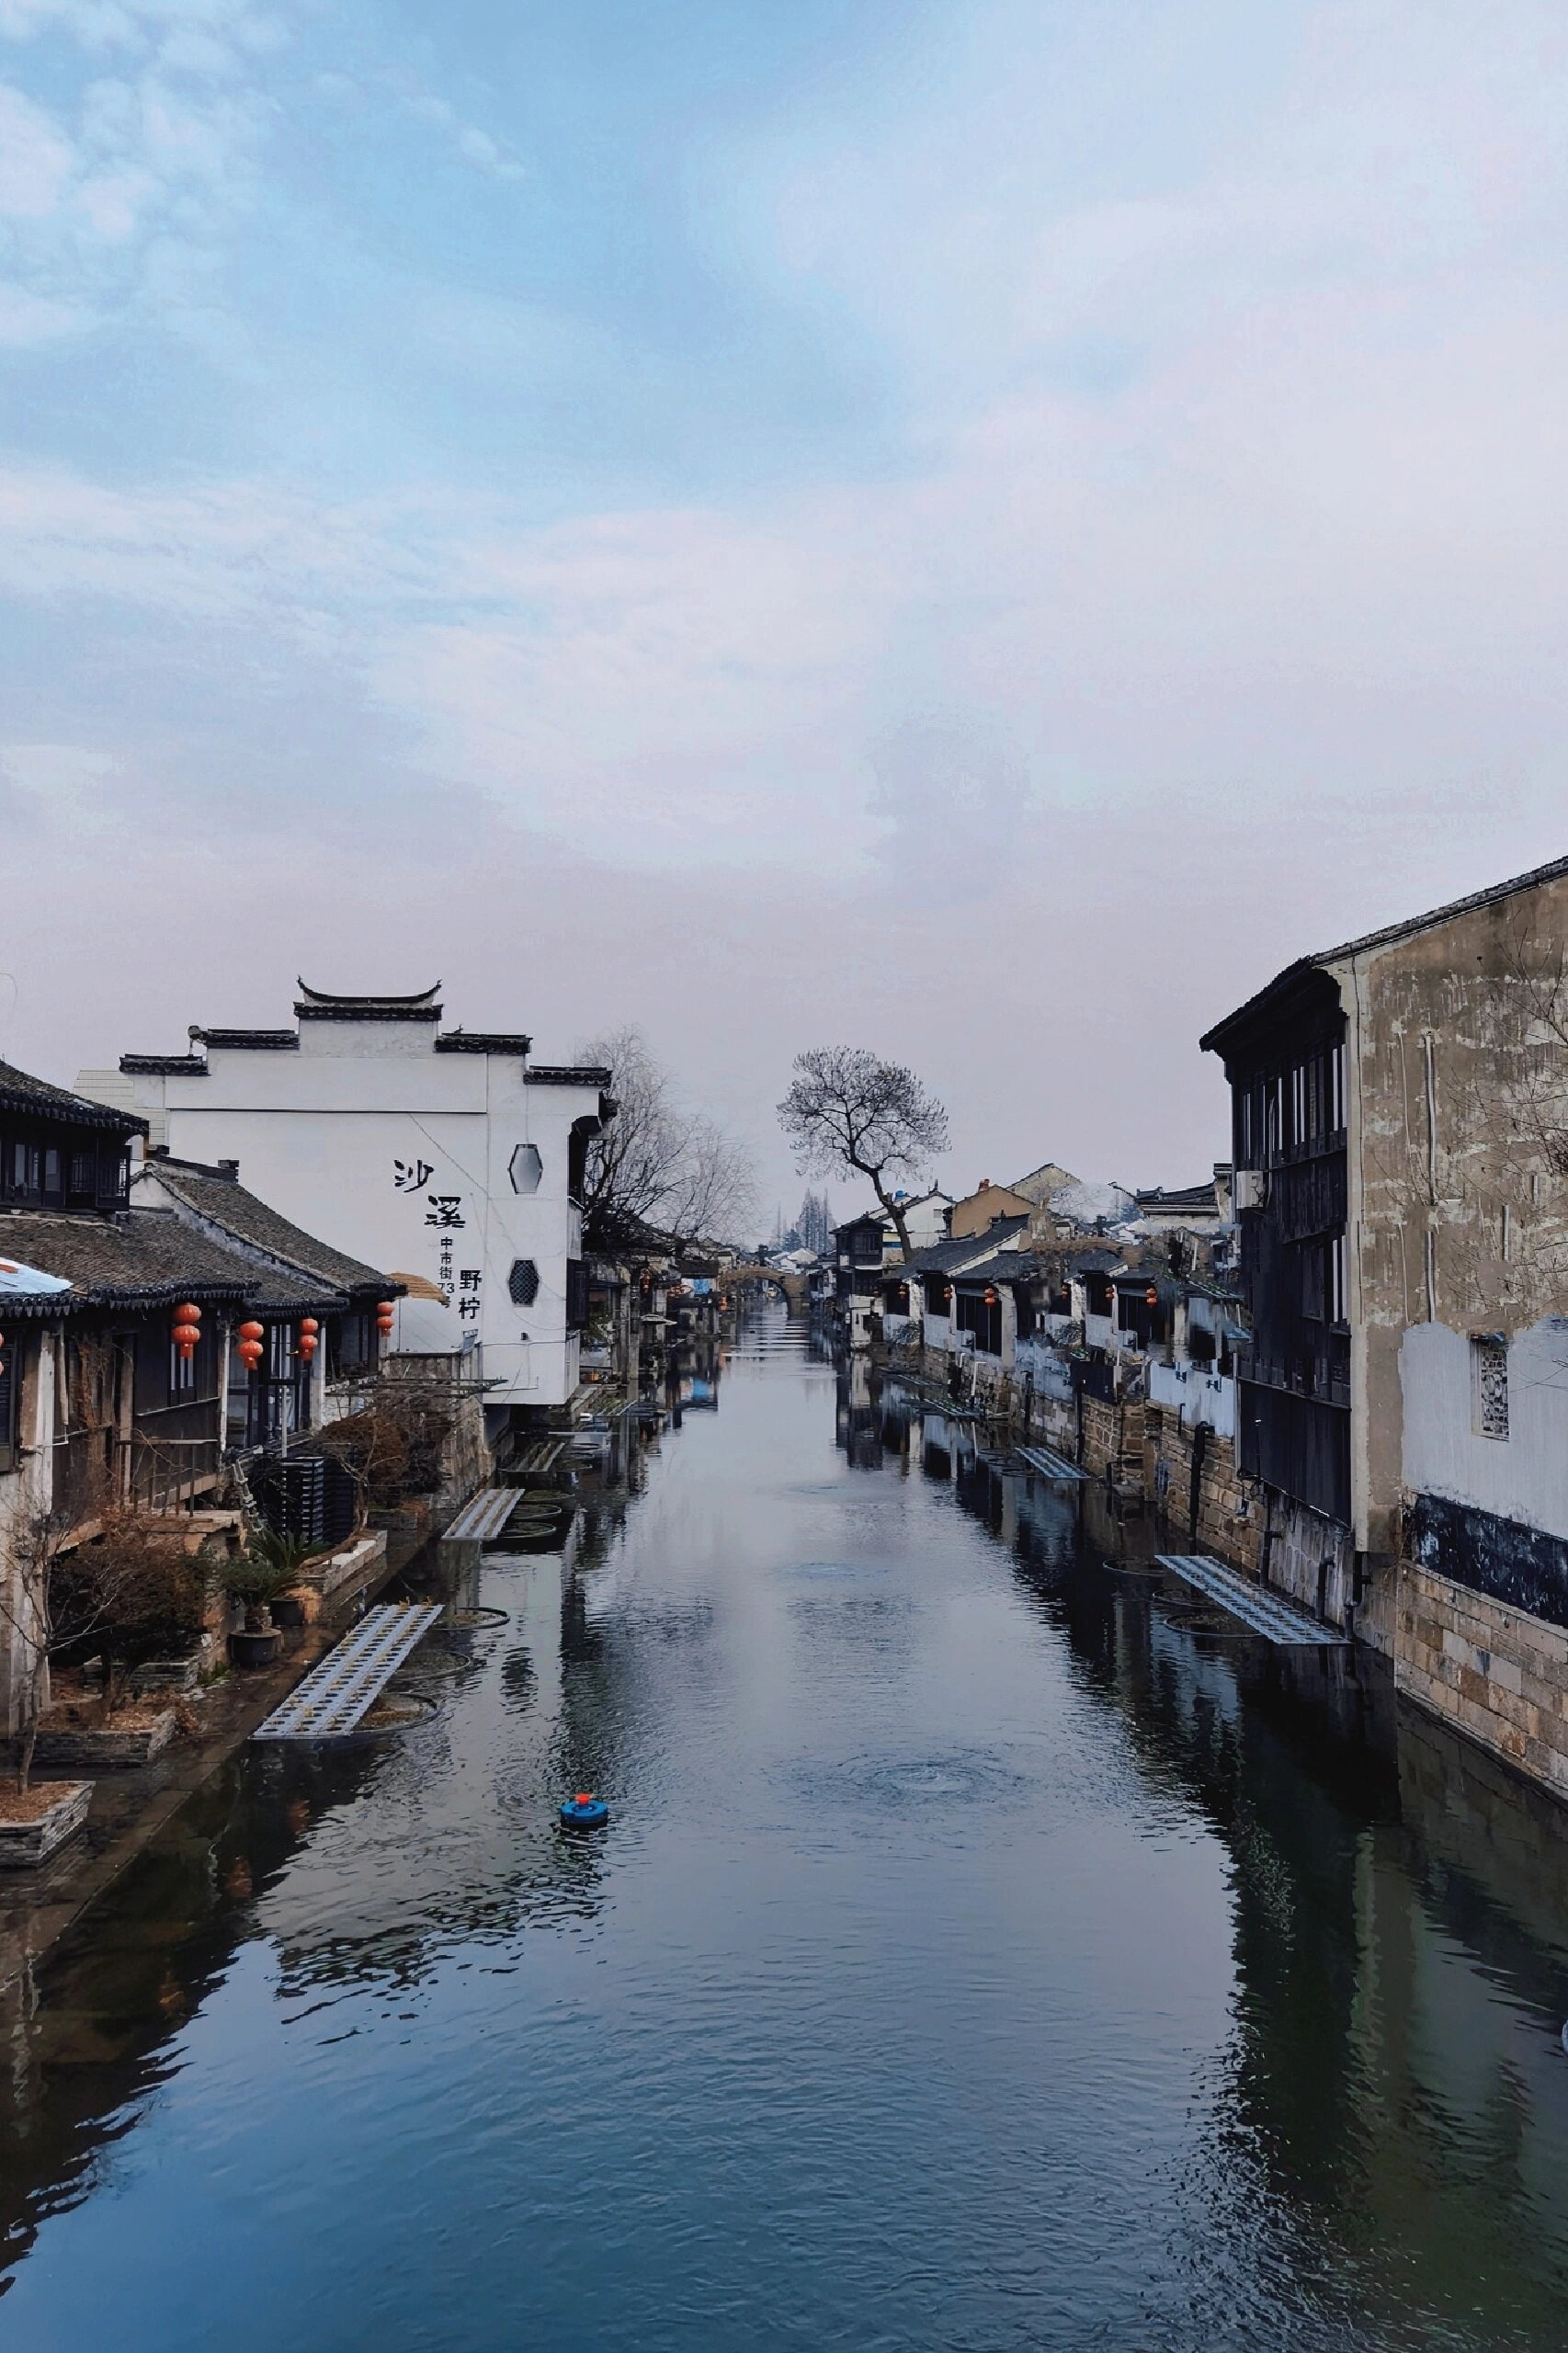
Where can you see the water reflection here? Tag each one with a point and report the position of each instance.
(991, 1947)
(1401, 1916)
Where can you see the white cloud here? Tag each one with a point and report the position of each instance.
(36, 160)
(28, 321)
(476, 146)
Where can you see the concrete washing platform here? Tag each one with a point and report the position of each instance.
(1266, 1612)
(340, 1692)
(1047, 1464)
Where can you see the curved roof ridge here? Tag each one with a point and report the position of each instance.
(365, 996)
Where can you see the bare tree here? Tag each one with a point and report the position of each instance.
(848, 1108)
(634, 1159)
(713, 1188)
(656, 1162)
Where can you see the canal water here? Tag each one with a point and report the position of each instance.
(989, 1949)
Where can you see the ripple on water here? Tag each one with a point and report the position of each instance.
(830, 1572)
(880, 1784)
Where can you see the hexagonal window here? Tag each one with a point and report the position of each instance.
(523, 1282)
(524, 1168)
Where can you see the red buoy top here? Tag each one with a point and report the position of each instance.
(584, 1797)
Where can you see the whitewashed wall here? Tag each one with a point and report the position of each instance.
(370, 1139)
(1202, 1396)
(1522, 1477)
(1046, 1366)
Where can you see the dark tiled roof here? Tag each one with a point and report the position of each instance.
(1491, 897)
(946, 1257)
(567, 1074)
(164, 1065)
(318, 1005)
(272, 1042)
(19, 1091)
(221, 1200)
(1180, 1196)
(485, 1041)
(141, 1259)
(1007, 1267)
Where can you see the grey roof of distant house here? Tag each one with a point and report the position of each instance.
(944, 1257)
(20, 1091)
(222, 1200)
(1007, 1267)
(1179, 1196)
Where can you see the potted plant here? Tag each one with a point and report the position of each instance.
(262, 1575)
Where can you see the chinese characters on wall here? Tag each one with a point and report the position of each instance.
(444, 1213)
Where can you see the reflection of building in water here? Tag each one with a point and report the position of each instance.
(349, 1896)
(1399, 1916)
(1399, 1921)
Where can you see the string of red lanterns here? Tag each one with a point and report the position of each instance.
(252, 1336)
(309, 1327)
(385, 1311)
(186, 1329)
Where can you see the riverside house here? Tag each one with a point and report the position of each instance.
(103, 1400)
(449, 1154)
(1400, 1149)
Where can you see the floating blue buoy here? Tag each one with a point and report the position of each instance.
(584, 1812)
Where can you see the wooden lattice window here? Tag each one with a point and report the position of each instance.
(1489, 1384)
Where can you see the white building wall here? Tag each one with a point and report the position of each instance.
(1045, 1367)
(1200, 1395)
(399, 1156)
(1522, 1477)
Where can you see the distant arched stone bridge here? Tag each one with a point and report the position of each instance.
(796, 1287)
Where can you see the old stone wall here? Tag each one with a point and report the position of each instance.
(1230, 1513)
(1491, 1672)
(1459, 1180)
(1113, 1442)
(1309, 1557)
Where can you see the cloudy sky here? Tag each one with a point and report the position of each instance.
(976, 527)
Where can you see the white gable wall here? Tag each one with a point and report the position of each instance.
(399, 1156)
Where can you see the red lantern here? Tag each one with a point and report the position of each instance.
(1151, 1297)
(309, 1327)
(250, 1354)
(990, 1296)
(307, 1346)
(188, 1313)
(252, 1331)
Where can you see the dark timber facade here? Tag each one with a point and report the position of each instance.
(1285, 1059)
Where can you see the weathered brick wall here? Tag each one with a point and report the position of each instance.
(1490, 1671)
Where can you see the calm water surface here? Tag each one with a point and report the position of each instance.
(988, 1951)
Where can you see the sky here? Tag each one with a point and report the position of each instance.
(976, 529)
